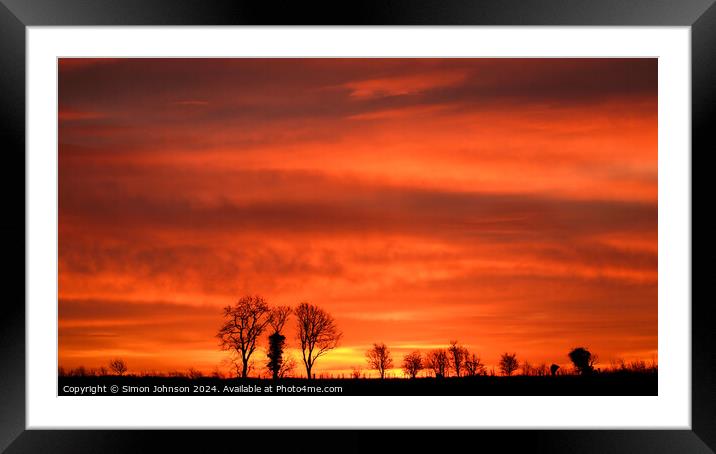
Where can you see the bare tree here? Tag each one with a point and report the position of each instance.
(457, 355)
(118, 366)
(244, 322)
(438, 361)
(412, 364)
(379, 358)
(508, 363)
(288, 365)
(278, 318)
(317, 333)
(474, 366)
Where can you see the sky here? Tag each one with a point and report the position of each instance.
(508, 204)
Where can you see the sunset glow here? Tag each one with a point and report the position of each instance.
(509, 204)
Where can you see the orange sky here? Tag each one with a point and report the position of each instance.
(510, 204)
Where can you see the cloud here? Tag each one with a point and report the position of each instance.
(191, 102)
(249, 92)
(403, 85)
(73, 115)
(332, 206)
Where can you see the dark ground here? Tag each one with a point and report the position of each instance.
(612, 384)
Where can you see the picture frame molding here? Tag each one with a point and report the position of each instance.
(17, 15)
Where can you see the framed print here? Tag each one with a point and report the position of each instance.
(434, 216)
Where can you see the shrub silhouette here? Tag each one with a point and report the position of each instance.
(527, 369)
(355, 372)
(194, 374)
(508, 363)
(583, 360)
(288, 365)
(553, 369)
(118, 366)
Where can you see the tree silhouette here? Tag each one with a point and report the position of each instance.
(508, 363)
(118, 366)
(583, 360)
(317, 333)
(553, 369)
(379, 359)
(412, 364)
(277, 341)
(457, 355)
(438, 361)
(474, 366)
(244, 322)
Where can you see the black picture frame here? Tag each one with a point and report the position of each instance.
(16, 15)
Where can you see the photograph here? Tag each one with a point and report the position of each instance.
(357, 226)
(316, 228)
